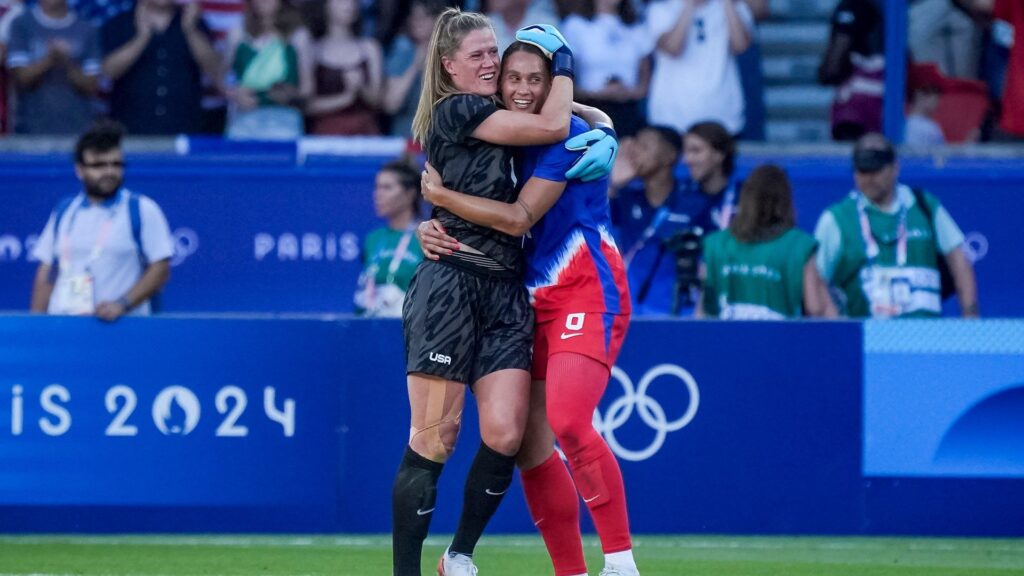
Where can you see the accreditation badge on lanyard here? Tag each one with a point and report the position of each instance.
(887, 288)
(386, 300)
(75, 293)
(722, 215)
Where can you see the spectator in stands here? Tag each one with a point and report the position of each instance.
(55, 62)
(854, 63)
(383, 18)
(9, 10)
(925, 86)
(661, 218)
(565, 8)
(404, 66)
(696, 77)
(881, 246)
(762, 267)
(1011, 124)
(105, 251)
(941, 32)
(156, 56)
(391, 253)
(223, 19)
(710, 157)
(613, 68)
(507, 16)
(264, 84)
(348, 74)
(997, 42)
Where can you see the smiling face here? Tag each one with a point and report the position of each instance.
(525, 82)
(474, 65)
(703, 160)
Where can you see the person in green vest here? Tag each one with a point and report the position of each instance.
(879, 247)
(762, 267)
(391, 253)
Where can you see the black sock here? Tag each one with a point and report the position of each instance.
(488, 480)
(412, 506)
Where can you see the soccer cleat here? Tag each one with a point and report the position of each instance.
(455, 565)
(619, 571)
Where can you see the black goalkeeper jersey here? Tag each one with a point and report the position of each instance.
(474, 167)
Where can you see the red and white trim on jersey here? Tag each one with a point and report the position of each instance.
(584, 276)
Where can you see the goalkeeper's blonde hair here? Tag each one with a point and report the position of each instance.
(451, 28)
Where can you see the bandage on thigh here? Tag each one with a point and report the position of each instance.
(442, 413)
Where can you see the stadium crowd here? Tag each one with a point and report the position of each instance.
(279, 69)
(284, 68)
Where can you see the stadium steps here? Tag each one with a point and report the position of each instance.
(796, 131)
(790, 69)
(798, 102)
(803, 9)
(793, 40)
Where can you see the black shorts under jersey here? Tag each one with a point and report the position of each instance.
(461, 325)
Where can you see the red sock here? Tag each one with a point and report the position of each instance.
(555, 509)
(575, 384)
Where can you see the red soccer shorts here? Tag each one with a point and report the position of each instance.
(593, 334)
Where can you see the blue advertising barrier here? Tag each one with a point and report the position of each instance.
(706, 443)
(770, 445)
(260, 424)
(176, 424)
(232, 424)
(262, 234)
(250, 236)
(973, 428)
(944, 426)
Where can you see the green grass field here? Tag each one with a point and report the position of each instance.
(505, 556)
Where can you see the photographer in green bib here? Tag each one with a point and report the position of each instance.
(883, 247)
(762, 266)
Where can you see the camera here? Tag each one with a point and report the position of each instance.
(685, 246)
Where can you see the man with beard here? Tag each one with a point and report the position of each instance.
(105, 251)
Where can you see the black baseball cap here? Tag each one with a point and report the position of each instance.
(872, 153)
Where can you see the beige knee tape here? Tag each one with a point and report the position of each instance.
(434, 418)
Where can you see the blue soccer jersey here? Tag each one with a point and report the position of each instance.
(572, 260)
(643, 232)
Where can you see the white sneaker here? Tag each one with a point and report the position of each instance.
(455, 565)
(619, 571)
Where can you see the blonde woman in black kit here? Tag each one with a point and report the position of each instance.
(467, 317)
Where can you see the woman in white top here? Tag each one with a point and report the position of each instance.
(695, 76)
(613, 71)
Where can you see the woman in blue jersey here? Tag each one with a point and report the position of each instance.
(578, 289)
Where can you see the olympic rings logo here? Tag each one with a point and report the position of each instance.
(975, 246)
(650, 410)
(186, 242)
